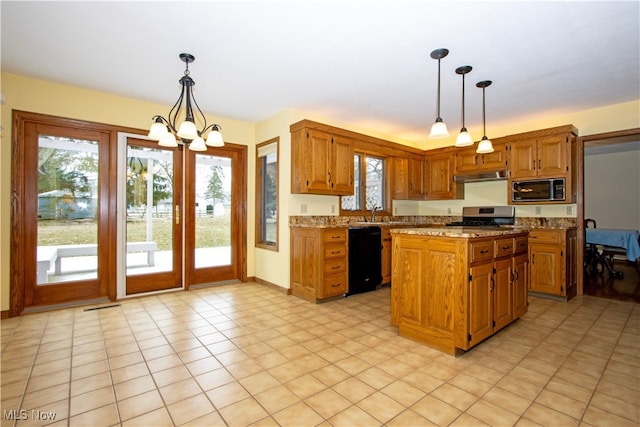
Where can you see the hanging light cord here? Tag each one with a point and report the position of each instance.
(438, 96)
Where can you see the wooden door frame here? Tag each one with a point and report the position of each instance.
(606, 138)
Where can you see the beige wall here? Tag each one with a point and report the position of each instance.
(27, 94)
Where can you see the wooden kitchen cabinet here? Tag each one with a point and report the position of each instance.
(319, 267)
(553, 266)
(492, 288)
(546, 153)
(321, 162)
(451, 292)
(386, 255)
(407, 177)
(520, 271)
(439, 168)
(469, 162)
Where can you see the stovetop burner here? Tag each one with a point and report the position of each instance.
(489, 216)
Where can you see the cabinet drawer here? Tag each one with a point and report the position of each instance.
(521, 244)
(546, 236)
(335, 236)
(481, 251)
(334, 284)
(504, 247)
(335, 251)
(337, 265)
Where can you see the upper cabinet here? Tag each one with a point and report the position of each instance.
(547, 153)
(468, 161)
(439, 169)
(407, 177)
(322, 162)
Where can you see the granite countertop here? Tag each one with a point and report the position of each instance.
(466, 232)
(524, 224)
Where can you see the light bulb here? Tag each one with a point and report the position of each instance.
(485, 146)
(215, 139)
(439, 130)
(464, 138)
(187, 130)
(197, 145)
(157, 131)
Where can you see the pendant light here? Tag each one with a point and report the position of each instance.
(464, 138)
(439, 129)
(484, 146)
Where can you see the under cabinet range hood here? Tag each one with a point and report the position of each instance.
(482, 176)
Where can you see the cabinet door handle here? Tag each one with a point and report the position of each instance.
(484, 251)
(329, 175)
(513, 278)
(504, 248)
(533, 258)
(539, 164)
(335, 267)
(493, 284)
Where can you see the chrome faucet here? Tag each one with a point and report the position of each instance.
(373, 213)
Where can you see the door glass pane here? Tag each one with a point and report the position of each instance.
(213, 211)
(67, 209)
(149, 210)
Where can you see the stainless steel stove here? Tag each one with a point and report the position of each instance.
(486, 216)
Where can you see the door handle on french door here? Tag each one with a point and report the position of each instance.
(177, 214)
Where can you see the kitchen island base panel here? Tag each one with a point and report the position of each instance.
(435, 339)
(453, 289)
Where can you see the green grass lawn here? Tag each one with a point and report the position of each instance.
(210, 232)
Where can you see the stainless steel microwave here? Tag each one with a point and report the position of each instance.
(539, 190)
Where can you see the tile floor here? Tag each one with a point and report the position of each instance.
(249, 355)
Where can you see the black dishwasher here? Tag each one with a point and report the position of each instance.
(365, 252)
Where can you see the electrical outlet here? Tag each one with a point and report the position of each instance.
(333, 208)
(538, 210)
(395, 211)
(569, 210)
(448, 211)
(303, 208)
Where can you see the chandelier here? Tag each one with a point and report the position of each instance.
(167, 131)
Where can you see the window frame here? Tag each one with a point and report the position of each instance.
(386, 184)
(259, 205)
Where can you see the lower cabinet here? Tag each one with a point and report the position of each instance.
(553, 270)
(452, 293)
(318, 262)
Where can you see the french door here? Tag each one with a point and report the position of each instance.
(96, 217)
(151, 217)
(181, 221)
(60, 225)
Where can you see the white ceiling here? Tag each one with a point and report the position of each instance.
(361, 62)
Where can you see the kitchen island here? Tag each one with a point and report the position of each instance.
(453, 287)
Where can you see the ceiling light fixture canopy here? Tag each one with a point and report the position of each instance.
(464, 138)
(166, 130)
(484, 146)
(439, 128)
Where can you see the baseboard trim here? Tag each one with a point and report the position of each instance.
(286, 291)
